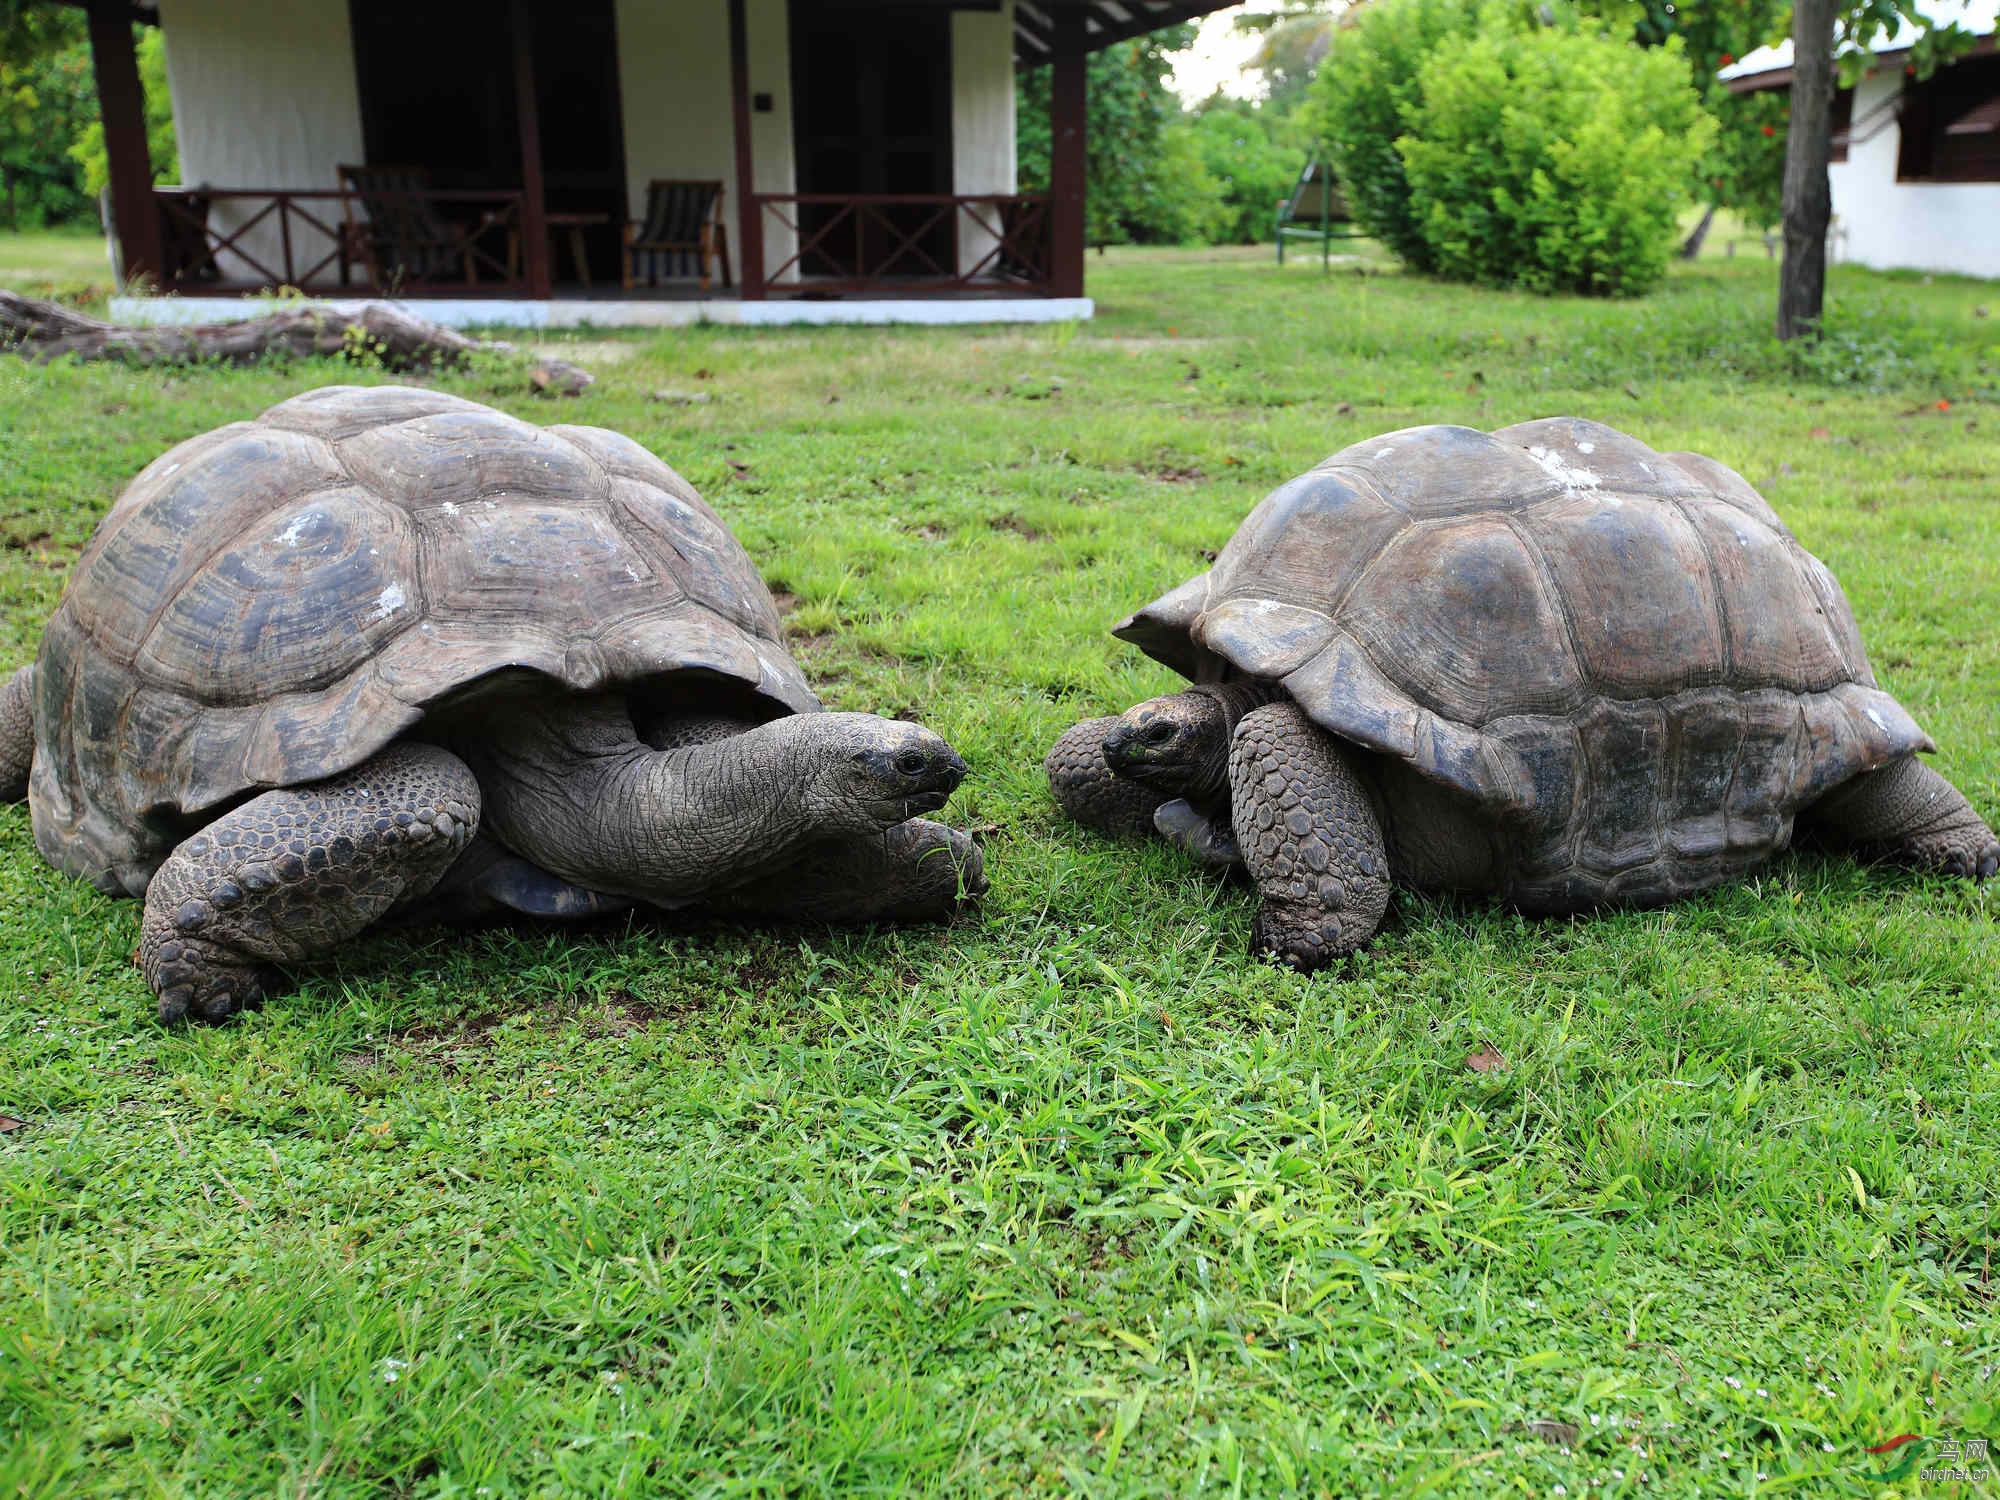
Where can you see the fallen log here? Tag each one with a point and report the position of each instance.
(377, 332)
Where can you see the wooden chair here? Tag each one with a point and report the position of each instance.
(1315, 210)
(681, 235)
(184, 238)
(391, 228)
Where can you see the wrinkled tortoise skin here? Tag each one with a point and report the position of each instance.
(1623, 657)
(275, 601)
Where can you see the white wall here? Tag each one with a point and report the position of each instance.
(264, 97)
(673, 79)
(1926, 226)
(982, 117)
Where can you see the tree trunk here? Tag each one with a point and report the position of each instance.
(373, 331)
(1691, 249)
(1808, 193)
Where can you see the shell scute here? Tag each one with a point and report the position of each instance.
(564, 566)
(1457, 612)
(713, 562)
(1446, 470)
(458, 457)
(335, 412)
(1583, 455)
(1640, 598)
(1306, 541)
(145, 550)
(305, 595)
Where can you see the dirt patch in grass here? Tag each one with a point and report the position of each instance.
(1020, 528)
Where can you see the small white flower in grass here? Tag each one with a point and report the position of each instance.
(1826, 1447)
(1558, 1490)
(1617, 1473)
(392, 1370)
(1595, 1420)
(1732, 1382)
(1822, 1388)
(1764, 1393)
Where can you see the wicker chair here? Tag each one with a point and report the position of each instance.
(681, 235)
(391, 229)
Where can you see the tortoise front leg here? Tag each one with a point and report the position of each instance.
(1090, 791)
(17, 734)
(1209, 839)
(296, 872)
(917, 871)
(1907, 813)
(1310, 839)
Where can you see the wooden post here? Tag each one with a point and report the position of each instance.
(534, 228)
(121, 100)
(1068, 158)
(749, 215)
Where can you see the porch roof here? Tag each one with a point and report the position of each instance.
(1105, 23)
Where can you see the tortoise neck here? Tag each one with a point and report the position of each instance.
(1210, 788)
(568, 784)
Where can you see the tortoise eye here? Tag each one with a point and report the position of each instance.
(1159, 733)
(910, 762)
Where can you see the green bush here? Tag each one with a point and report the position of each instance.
(1184, 203)
(1251, 154)
(1365, 98)
(1554, 160)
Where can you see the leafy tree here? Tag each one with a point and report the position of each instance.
(1295, 39)
(1188, 204)
(1130, 109)
(52, 162)
(1254, 153)
(45, 95)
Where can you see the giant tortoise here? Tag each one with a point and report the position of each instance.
(1545, 662)
(389, 652)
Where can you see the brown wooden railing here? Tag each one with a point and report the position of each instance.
(897, 243)
(326, 241)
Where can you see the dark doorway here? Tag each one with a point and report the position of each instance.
(583, 131)
(436, 83)
(437, 91)
(871, 114)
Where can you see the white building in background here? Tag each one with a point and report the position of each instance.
(1916, 165)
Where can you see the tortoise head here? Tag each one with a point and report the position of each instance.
(1177, 744)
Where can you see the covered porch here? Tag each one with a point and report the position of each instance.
(848, 152)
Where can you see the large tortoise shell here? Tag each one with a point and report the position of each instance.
(1622, 655)
(275, 601)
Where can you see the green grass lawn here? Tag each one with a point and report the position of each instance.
(1070, 1195)
(47, 262)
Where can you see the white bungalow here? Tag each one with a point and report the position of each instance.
(1916, 165)
(611, 160)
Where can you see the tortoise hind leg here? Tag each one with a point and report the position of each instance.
(1310, 839)
(17, 734)
(297, 871)
(1907, 813)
